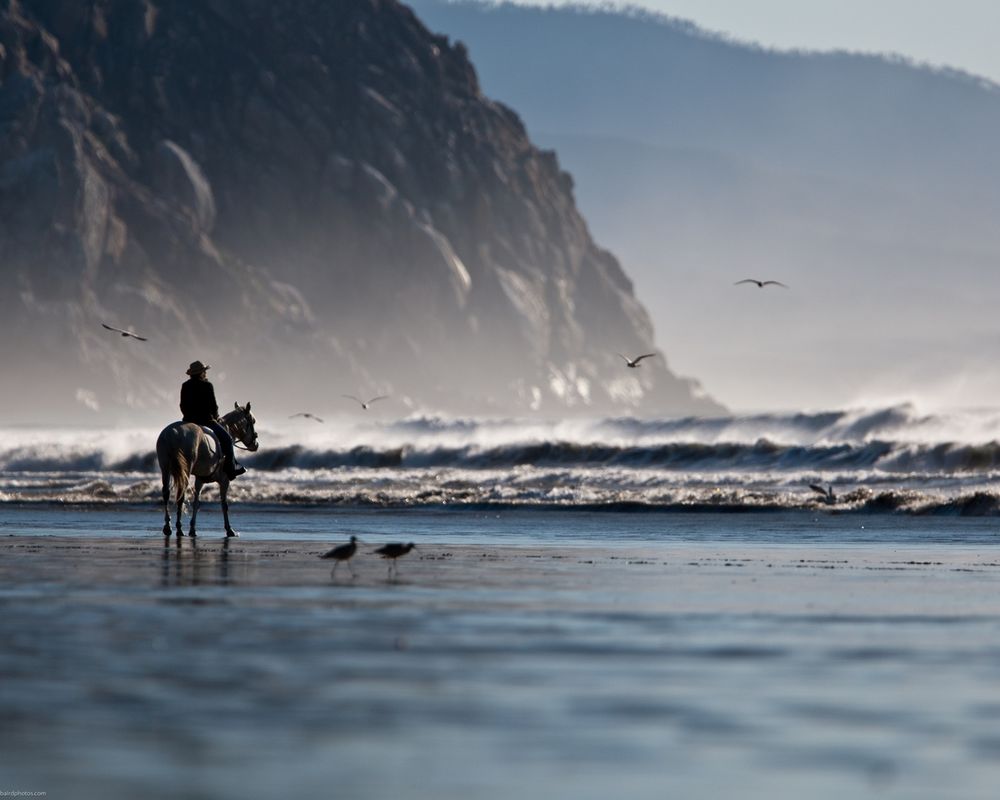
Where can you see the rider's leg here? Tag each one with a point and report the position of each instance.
(228, 451)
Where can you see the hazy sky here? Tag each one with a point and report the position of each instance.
(913, 332)
(955, 33)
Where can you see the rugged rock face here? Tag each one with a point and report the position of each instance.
(313, 196)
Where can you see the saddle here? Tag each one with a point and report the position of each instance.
(212, 437)
(227, 464)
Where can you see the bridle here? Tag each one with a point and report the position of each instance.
(239, 423)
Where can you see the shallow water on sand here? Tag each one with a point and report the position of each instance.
(537, 654)
(509, 526)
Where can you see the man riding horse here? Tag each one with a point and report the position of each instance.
(198, 405)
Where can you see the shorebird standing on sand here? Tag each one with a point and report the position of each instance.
(125, 333)
(393, 551)
(364, 405)
(343, 552)
(632, 363)
(761, 284)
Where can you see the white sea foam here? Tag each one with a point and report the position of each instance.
(895, 458)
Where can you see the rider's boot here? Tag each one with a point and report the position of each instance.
(232, 469)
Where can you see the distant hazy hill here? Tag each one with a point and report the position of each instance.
(870, 184)
(313, 196)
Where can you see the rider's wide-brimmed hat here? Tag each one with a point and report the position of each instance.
(197, 368)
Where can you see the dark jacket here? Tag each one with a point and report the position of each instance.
(198, 401)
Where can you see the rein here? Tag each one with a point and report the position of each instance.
(237, 430)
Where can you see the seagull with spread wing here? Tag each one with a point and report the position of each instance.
(761, 284)
(361, 402)
(307, 415)
(632, 363)
(125, 333)
(828, 494)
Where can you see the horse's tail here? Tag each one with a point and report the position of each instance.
(180, 471)
(174, 461)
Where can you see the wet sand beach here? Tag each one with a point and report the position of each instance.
(241, 669)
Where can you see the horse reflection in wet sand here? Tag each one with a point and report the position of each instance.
(185, 449)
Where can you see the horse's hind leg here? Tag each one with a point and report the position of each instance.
(166, 505)
(195, 505)
(181, 494)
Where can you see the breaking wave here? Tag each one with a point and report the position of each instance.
(761, 455)
(884, 460)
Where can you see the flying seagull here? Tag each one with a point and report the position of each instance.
(364, 405)
(632, 363)
(342, 552)
(393, 551)
(125, 333)
(828, 496)
(761, 284)
(307, 415)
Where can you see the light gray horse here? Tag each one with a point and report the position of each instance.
(186, 448)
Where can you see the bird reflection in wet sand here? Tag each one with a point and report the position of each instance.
(343, 552)
(393, 551)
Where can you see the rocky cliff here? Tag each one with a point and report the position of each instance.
(314, 197)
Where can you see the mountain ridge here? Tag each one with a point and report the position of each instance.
(276, 186)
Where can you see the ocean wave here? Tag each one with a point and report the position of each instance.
(978, 503)
(764, 454)
(889, 460)
(901, 422)
(438, 438)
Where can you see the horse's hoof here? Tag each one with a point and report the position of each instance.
(192, 533)
(180, 534)
(167, 532)
(231, 533)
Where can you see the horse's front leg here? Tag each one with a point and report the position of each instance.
(166, 504)
(195, 504)
(224, 495)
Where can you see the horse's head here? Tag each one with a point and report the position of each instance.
(241, 426)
